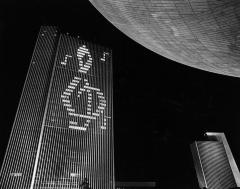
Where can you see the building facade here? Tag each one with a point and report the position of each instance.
(214, 163)
(62, 135)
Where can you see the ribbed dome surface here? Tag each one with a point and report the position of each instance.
(204, 34)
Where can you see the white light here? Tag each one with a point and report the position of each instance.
(78, 78)
(71, 87)
(74, 84)
(16, 174)
(73, 122)
(67, 101)
(74, 174)
(82, 68)
(87, 66)
(66, 93)
(70, 110)
(84, 50)
(81, 54)
(67, 105)
(93, 88)
(210, 134)
(82, 89)
(95, 114)
(69, 90)
(75, 81)
(82, 71)
(77, 128)
(100, 93)
(80, 115)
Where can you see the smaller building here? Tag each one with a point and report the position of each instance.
(214, 163)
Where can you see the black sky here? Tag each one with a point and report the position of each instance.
(160, 106)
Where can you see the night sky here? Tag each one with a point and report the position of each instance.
(160, 106)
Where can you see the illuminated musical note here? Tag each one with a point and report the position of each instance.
(84, 66)
(81, 53)
(65, 59)
(104, 56)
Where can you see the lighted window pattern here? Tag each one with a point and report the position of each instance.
(65, 59)
(84, 66)
(104, 56)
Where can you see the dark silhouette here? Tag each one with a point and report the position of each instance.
(85, 184)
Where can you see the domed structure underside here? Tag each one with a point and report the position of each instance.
(204, 34)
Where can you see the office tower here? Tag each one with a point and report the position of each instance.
(62, 136)
(214, 163)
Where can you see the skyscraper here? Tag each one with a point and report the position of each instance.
(62, 136)
(214, 163)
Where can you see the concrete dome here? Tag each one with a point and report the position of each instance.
(204, 34)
